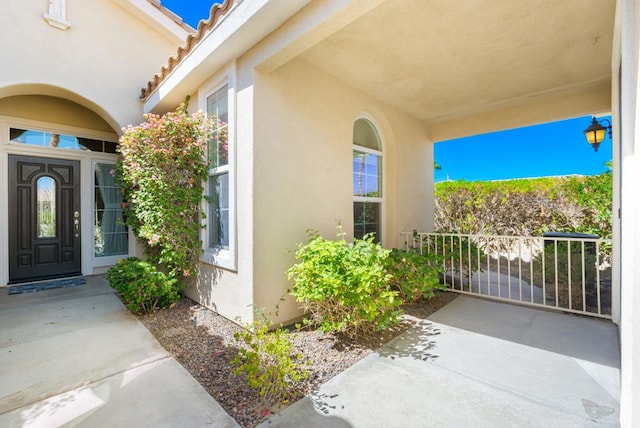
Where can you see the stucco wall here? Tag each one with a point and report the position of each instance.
(303, 133)
(230, 292)
(101, 61)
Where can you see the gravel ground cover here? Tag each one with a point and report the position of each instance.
(203, 343)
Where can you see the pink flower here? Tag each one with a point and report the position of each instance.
(186, 273)
(154, 239)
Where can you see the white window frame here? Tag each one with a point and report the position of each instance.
(225, 258)
(380, 199)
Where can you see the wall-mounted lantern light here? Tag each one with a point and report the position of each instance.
(596, 132)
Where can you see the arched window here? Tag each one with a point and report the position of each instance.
(367, 180)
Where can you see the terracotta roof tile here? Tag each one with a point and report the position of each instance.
(204, 27)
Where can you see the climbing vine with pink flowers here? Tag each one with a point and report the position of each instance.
(161, 169)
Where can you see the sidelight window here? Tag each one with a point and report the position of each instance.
(110, 233)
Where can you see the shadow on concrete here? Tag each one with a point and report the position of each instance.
(416, 343)
(576, 336)
(310, 412)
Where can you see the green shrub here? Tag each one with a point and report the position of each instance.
(594, 194)
(415, 276)
(141, 286)
(268, 361)
(344, 286)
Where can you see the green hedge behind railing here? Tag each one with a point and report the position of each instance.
(526, 207)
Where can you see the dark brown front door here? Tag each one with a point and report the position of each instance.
(44, 218)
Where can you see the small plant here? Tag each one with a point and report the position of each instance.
(141, 286)
(344, 286)
(267, 359)
(416, 276)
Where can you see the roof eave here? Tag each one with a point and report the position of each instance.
(238, 31)
(160, 18)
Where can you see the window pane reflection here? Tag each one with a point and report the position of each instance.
(61, 141)
(219, 211)
(217, 108)
(367, 174)
(366, 219)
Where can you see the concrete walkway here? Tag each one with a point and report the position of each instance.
(477, 363)
(77, 357)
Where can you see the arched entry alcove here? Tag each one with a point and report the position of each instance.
(44, 108)
(50, 102)
(57, 162)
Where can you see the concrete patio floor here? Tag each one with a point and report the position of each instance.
(77, 357)
(477, 363)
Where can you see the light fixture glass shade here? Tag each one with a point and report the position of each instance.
(595, 136)
(595, 133)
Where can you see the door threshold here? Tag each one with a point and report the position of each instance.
(39, 280)
(52, 284)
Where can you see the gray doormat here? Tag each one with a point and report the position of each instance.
(47, 285)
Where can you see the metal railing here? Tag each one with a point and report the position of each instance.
(565, 274)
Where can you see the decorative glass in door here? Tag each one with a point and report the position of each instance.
(46, 207)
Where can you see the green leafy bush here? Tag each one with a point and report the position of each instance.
(267, 359)
(415, 276)
(141, 286)
(594, 194)
(344, 286)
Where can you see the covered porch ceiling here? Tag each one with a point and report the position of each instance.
(470, 67)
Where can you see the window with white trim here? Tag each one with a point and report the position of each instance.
(218, 153)
(367, 180)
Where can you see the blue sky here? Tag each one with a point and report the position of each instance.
(557, 148)
(191, 11)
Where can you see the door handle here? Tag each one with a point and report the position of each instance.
(76, 223)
